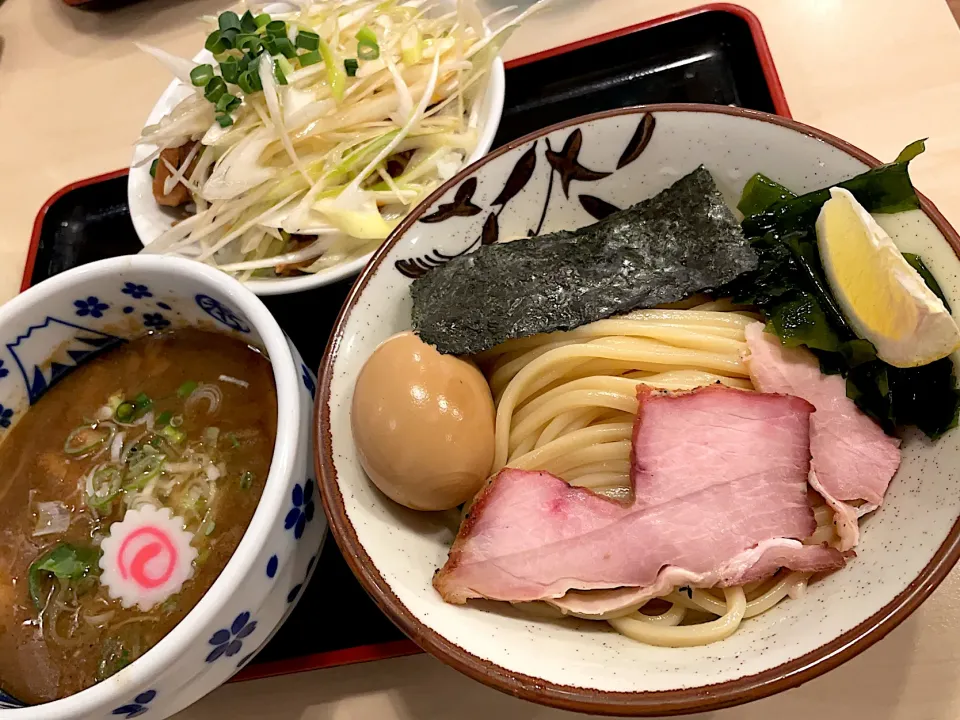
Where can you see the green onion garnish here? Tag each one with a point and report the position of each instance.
(87, 438)
(125, 412)
(215, 43)
(209, 528)
(228, 103)
(248, 23)
(246, 480)
(224, 120)
(310, 58)
(351, 65)
(277, 28)
(186, 390)
(284, 47)
(307, 40)
(228, 20)
(164, 418)
(368, 51)
(250, 43)
(262, 20)
(153, 167)
(142, 401)
(233, 440)
(173, 435)
(201, 75)
(278, 72)
(366, 35)
(229, 37)
(246, 83)
(230, 70)
(214, 89)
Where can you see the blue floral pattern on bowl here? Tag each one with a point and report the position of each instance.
(3, 371)
(303, 509)
(137, 292)
(155, 321)
(91, 306)
(8, 702)
(229, 642)
(308, 381)
(5, 415)
(223, 314)
(138, 707)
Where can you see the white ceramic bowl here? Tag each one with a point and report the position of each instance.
(907, 547)
(96, 306)
(150, 219)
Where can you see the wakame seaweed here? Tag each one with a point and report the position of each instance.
(790, 288)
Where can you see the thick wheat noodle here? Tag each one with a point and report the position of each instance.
(636, 625)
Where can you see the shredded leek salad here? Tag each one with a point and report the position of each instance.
(313, 133)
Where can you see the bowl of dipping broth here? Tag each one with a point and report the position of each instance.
(159, 516)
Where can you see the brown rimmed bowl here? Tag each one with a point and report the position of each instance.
(563, 177)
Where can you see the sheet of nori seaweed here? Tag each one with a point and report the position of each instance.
(682, 241)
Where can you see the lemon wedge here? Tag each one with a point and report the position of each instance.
(883, 298)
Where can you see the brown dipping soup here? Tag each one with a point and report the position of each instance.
(198, 415)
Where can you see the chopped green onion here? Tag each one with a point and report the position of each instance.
(366, 35)
(177, 437)
(285, 65)
(249, 81)
(278, 73)
(201, 75)
(214, 89)
(233, 440)
(125, 412)
(309, 58)
(277, 28)
(215, 43)
(106, 487)
(246, 480)
(248, 23)
(284, 47)
(224, 120)
(228, 103)
(229, 20)
(250, 43)
(142, 401)
(143, 468)
(351, 65)
(307, 40)
(209, 528)
(368, 51)
(229, 69)
(186, 390)
(87, 438)
(153, 167)
(262, 20)
(165, 417)
(176, 420)
(229, 38)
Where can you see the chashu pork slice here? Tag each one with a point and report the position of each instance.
(720, 480)
(853, 458)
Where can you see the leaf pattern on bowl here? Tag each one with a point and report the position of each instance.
(638, 143)
(565, 164)
(462, 205)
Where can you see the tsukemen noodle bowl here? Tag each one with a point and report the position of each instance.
(680, 398)
(152, 458)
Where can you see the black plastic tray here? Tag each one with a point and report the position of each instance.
(713, 54)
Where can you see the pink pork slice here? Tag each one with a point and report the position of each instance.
(853, 458)
(720, 480)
